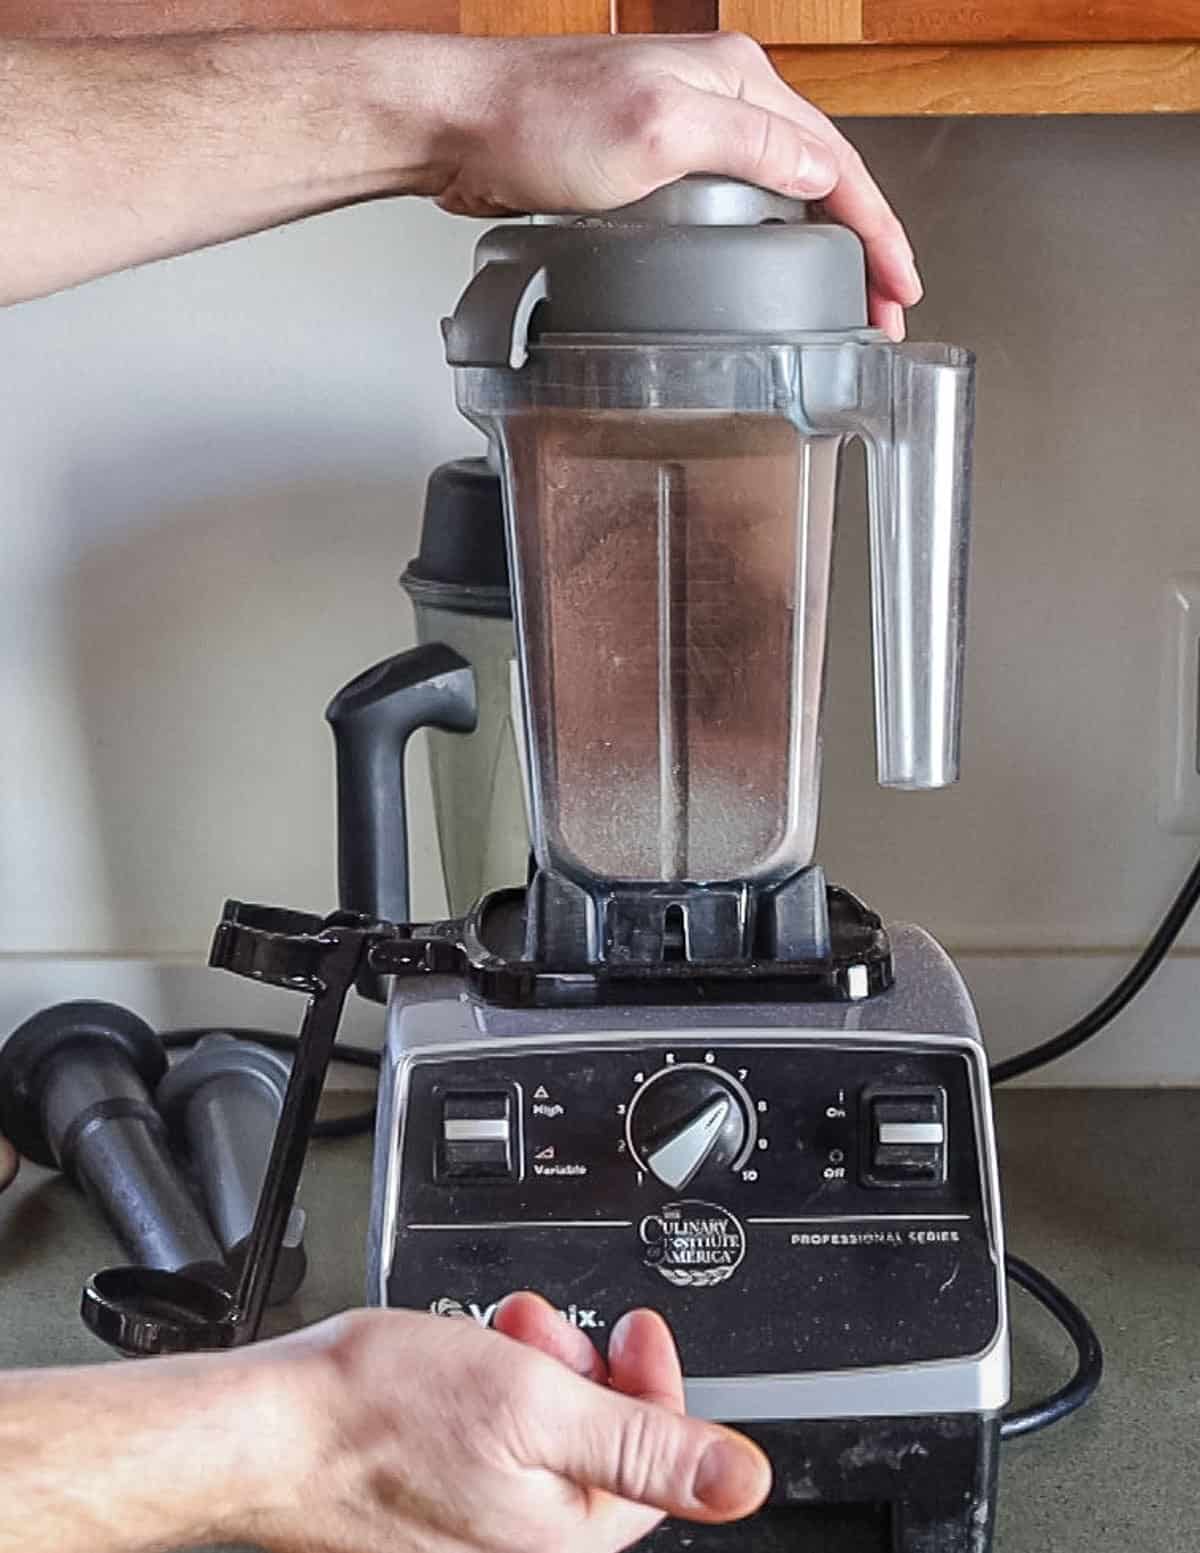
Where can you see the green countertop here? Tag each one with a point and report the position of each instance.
(1102, 1190)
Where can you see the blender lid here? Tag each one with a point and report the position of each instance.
(463, 561)
(703, 256)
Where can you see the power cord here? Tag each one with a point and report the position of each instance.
(1134, 979)
(1089, 1355)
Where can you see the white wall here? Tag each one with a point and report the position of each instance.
(1067, 253)
(210, 477)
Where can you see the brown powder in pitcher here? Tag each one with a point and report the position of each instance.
(659, 561)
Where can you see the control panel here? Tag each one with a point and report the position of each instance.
(787, 1204)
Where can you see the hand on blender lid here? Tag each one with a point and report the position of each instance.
(590, 124)
(484, 126)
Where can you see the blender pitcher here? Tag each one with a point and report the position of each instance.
(667, 389)
(459, 591)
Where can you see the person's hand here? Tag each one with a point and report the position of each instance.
(486, 126)
(10, 1162)
(583, 124)
(429, 1435)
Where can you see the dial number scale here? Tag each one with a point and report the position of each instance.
(688, 1119)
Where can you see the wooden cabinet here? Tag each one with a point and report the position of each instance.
(991, 56)
(129, 18)
(850, 56)
(953, 22)
(996, 79)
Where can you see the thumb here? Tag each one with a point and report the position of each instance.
(652, 1456)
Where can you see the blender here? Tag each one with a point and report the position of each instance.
(674, 1065)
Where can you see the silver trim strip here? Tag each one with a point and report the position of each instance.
(706, 1039)
(976, 1385)
(874, 1218)
(532, 1224)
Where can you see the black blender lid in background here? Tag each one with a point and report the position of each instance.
(463, 561)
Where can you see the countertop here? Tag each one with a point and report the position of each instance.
(1102, 1191)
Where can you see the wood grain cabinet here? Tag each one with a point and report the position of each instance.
(851, 56)
(951, 21)
(993, 56)
(131, 18)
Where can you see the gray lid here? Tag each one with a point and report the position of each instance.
(702, 256)
(463, 561)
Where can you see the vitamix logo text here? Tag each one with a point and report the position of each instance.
(470, 1310)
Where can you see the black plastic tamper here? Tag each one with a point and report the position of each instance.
(221, 1104)
(75, 1094)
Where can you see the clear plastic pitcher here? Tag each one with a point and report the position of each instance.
(670, 503)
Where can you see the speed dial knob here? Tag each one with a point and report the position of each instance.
(687, 1119)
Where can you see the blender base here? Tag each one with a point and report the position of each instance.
(838, 1301)
(869, 1485)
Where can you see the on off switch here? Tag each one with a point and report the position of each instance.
(907, 1144)
(477, 1136)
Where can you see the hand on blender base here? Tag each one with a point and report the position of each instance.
(377, 1430)
(449, 1437)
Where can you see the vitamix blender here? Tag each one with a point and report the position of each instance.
(675, 1067)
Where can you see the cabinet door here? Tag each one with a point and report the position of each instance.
(666, 15)
(128, 18)
(952, 21)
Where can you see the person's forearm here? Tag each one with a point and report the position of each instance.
(135, 1458)
(112, 154)
(115, 153)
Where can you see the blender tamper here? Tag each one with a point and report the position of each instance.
(75, 1095)
(221, 1104)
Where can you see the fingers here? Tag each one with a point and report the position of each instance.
(652, 1456)
(643, 1361)
(738, 139)
(855, 199)
(885, 314)
(858, 203)
(745, 140)
(9, 1162)
(531, 1320)
(630, 1443)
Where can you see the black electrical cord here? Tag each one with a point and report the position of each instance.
(1070, 1398)
(1134, 979)
(356, 1125)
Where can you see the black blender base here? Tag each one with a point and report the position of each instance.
(874, 1485)
(815, 1529)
